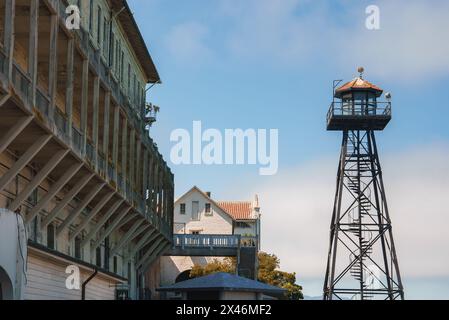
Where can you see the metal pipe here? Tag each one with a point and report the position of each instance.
(85, 283)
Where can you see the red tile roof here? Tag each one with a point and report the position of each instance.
(238, 210)
(358, 84)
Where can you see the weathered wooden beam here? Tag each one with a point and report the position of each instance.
(158, 252)
(124, 153)
(95, 122)
(75, 213)
(67, 198)
(138, 172)
(109, 229)
(37, 180)
(150, 252)
(94, 231)
(84, 102)
(106, 116)
(145, 174)
(69, 86)
(115, 141)
(12, 133)
(4, 99)
(127, 237)
(33, 47)
(146, 239)
(132, 158)
(86, 220)
(53, 65)
(55, 188)
(8, 42)
(23, 161)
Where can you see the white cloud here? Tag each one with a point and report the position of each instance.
(297, 208)
(187, 42)
(411, 44)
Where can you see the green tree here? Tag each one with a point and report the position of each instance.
(269, 273)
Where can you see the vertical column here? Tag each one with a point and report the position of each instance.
(53, 65)
(115, 135)
(155, 182)
(150, 180)
(69, 87)
(132, 158)
(84, 103)
(145, 174)
(138, 174)
(10, 14)
(107, 103)
(124, 152)
(32, 52)
(95, 124)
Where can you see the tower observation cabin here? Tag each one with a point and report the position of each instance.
(356, 106)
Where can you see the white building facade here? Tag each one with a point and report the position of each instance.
(196, 213)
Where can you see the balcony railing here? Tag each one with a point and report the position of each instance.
(61, 122)
(23, 88)
(77, 139)
(212, 241)
(42, 102)
(22, 82)
(358, 115)
(90, 151)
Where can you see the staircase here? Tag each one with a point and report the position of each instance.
(361, 210)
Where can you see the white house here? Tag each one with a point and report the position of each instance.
(197, 213)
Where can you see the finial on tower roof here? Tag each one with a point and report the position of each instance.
(361, 70)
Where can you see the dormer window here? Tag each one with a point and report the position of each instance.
(207, 209)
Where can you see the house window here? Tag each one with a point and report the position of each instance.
(207, 209)
(51, 236)
(195, 210)
(182, 208)
(242, 225)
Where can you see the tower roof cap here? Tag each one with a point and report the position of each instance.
(358, 84)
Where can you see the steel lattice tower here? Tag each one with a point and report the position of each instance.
(362, 261)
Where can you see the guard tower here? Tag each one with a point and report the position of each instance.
(362, 262)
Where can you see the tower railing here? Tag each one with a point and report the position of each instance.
(359, 108)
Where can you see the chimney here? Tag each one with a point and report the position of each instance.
(208, 193)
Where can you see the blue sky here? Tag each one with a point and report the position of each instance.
(270, 64)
